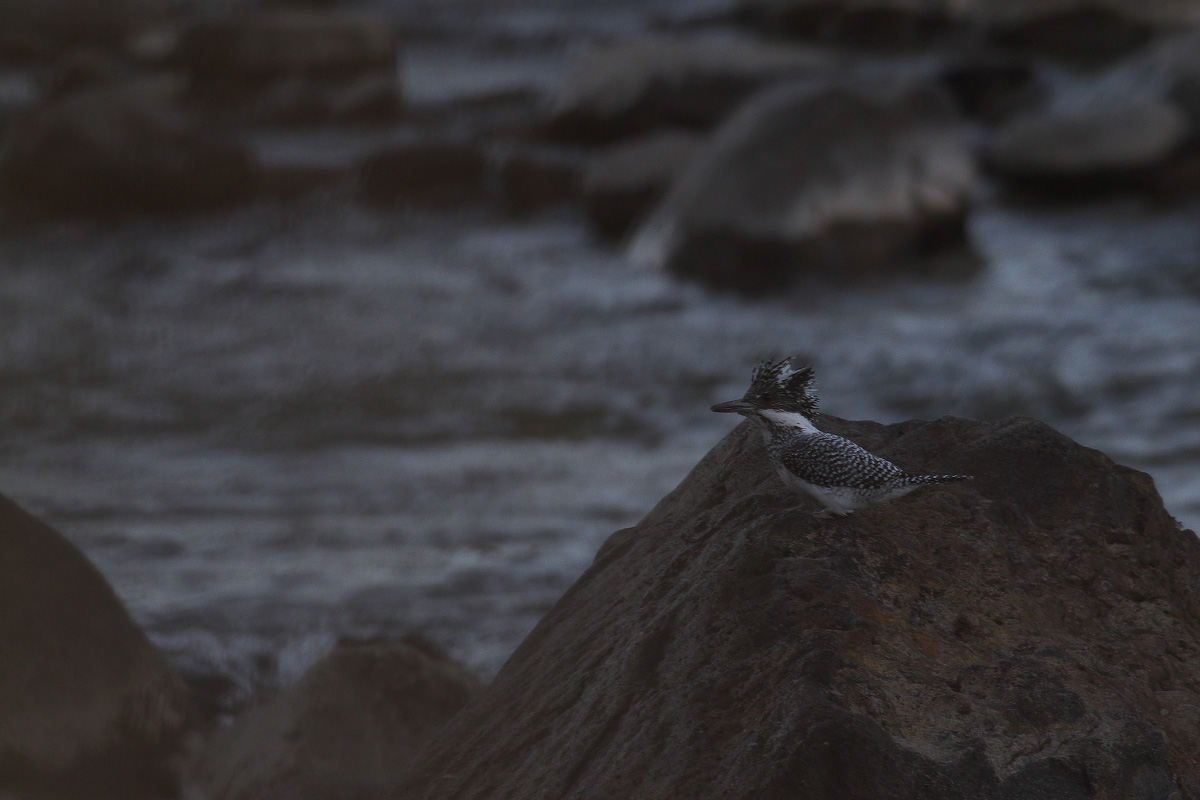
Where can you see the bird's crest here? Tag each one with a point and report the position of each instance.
(777, 385)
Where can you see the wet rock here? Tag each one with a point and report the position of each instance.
(246, 51)
(372, 98)
(39, 26)
(83, 68)
(349, 726)
(1110, 146)
(624, 183)
(1034, 633)
(429, 175)
(991, 85)
(534, 178)
(1178, 178)
(1177, 60)
(88, 708)
(651, 82)
(129, 148)
(1085, 32)
(845, 180)
(886, 24)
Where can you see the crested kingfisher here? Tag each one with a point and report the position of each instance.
(841, 475)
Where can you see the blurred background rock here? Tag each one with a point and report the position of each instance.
(329, 319)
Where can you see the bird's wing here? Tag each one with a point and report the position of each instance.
(828, 460)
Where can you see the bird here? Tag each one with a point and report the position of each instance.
(838, 473)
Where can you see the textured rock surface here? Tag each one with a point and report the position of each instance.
(351, 724)
(1032, 634)
(650, 82)
(88, 707)
(623, 183)
(842, 179)
(125, 148)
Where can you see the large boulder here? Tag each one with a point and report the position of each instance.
(636, 85)
(836, 178)
(624, 183)
(350, 725)
(1114, 145)
(88, 707)
(1032, 634)
(118, 149)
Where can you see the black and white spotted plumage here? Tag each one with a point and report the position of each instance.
(841, 475)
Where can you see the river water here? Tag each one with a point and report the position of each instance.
(281, 425)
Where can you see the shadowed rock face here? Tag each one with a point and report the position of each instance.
(88, 707)
(1034, 633)
(345, 729)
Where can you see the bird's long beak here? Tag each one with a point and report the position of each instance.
(734, 407)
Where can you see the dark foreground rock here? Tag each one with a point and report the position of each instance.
(129, 148)
(88, 707)
(348, 727)
(847, 180)
(1032, 634)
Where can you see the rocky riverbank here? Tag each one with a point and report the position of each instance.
(1035, 632)
(158, 110)
(314, 336)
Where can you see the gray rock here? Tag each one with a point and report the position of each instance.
(88, 707)
(1111, 143)
(651, 82)
(1032, 634)
(841, 179)
(351, 724)
(127, 148)
(624, 183)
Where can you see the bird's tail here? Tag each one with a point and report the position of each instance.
(920, 480)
